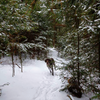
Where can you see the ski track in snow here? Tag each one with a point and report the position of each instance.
(48, 87)
(44, 90)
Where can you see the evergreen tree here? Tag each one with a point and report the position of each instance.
(82, 35)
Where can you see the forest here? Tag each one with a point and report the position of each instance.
(29, 27)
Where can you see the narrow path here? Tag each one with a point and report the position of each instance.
(49, 88)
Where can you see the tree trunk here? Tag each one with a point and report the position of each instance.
(78, 72)
(13, 65)
(21, 62)
(99, 54)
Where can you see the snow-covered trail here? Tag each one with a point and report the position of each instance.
(35, 83)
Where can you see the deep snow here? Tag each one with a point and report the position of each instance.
(35, 83)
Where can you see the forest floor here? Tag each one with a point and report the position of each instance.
(35, 83)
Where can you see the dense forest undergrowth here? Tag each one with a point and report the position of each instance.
(29, 27)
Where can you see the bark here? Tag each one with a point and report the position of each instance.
(13, 65)
(78, 72)
(99, 54)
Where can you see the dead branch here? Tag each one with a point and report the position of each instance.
(5, 84)
(18, 66)
(69, 97)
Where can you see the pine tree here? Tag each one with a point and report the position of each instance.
(81, 19)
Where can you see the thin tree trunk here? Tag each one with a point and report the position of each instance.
(21, 63)
(13, 65)
(99, 54)
(20, 57)
(78, 72)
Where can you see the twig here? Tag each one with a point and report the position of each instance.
(5, 84)
(0, 92)
(69, 97)
(18, 65)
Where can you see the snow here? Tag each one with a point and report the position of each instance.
(99, 12)
(35, 83)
